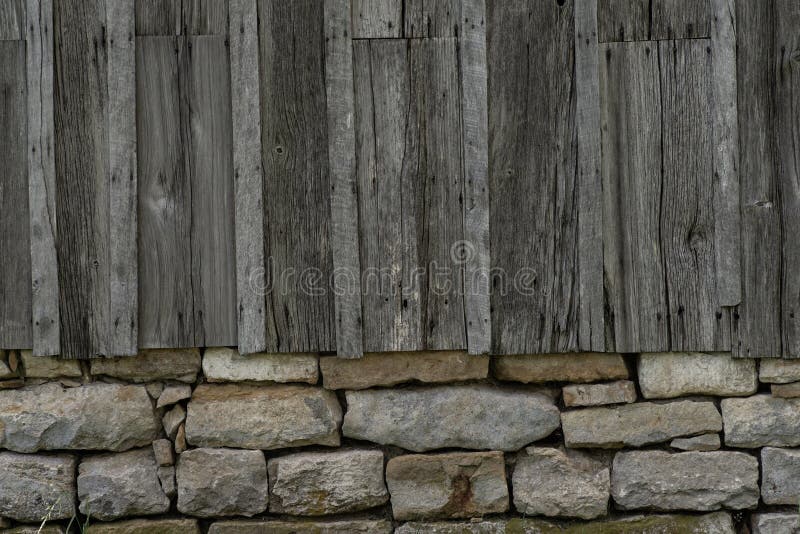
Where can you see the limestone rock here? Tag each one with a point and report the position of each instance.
(166, 475)
(574, 367)
(155, 364)
(364, 526)
(619, 392)
(112, 486)
(703, 442)
(173, 419)
(454, 485)
(5, 370)
(227, 365)
(685, 481)
(162, 449)
(48, 366)
(554, 482)
(222, 482)
(471, 417)
(635, 425)
(173, 394)
(761, 421)
(673, 374)
(313, 483)
(33, 486)
(180, 439)
(786, 391)
(149, 526)
(780, 478)
(91, 417)
(154, 389)
(775, 523)
(388, 369)
(779, 371)
(265, 417)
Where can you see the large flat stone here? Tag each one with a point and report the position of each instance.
(355, 526)
(761, 421)
(665, 375)
(113, 486)
(468, 416)
(146, 526)
(33, 486)
(554, 482)
(388, 369)
(262, 417)
(48, 366)
(635, 425)
(322, 483)
(700, 481)
(775, 523)
(619, 392)
(154, 364)
(444, 486)
(779, 371)
(92, 417)
(780, 476)
(227, 365)
(573, 367)
(786, 391)
(222, 482)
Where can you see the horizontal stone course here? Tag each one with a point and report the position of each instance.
(48, 366)
(572, 367)
(155, 364)
(35, 486)
(703, 442)
(619, 392)
(355, 526)
(780, 476)
(778, 371)
(761, 421)
(673, 374)
(227, 365)
(775, 523)
(146, 526)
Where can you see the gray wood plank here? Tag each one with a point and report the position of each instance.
(300, 308)
(533, 177)
(248, 175)
(158, 17)
(205, 17)
(344, 190)
(42, 178)
(432, 18)
(643, 20)
(12, 20)
(15, 267)
(375, 19)
(181, 17)
(623, 20)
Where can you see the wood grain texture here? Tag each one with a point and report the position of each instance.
(42, 178)
(299, 305)
(205, 17)
(12, 20)
(15, 267)
(248, 175)
(644, 20)
(432, 18)
(158, 17)
(344, 189)
(374, 19)
(181, 17)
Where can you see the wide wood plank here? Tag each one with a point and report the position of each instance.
(432, 18)
(181, 17)
(643, 20)
(12, 20)
(374, 19)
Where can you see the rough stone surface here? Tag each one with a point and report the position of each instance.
(575, 367)
(146, 526)
(266, 417)
(554, 482)
(227, 365)
(173, 393)
(91, 417)
(779, 371)
(34, 529)
(761, 421)
(469, 417)
(685, 481)
(673, 374)
(154, 389)
(5, 370)
(635, 425)
(704, 442)
(180, 439)
(619, 392)
(222, 482)
(173, 419)
(48, 367)
(786, 391)
(162, 449)
(366, 526)
(444, 486)
(166, 475)
(388, 369)
(112, 486)
(780, 476)
(775, 523)
(33, 486)
(156, 364)
(311, 483)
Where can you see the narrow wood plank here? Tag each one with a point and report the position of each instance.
(432, 18)
(344, 190)
(42, 178)
(158, 17)
(644, 20)
(204, 17)
(15, 267)
(375, 19)
(300, 308)
(123, 334)
(248, 175)
(591, 328)
(475, 121)
(12, 20)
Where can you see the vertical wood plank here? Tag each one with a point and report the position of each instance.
(12, 20)
(204, 17)
(374, 19)
(158, 17)
(42, 178)
(344, 190)
(623, 20)
(432, 18)
(248, 175)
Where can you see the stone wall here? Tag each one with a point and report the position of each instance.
(179, 441)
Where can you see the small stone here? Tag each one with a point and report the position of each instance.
(685, 481)
(166, 475)
(173, 419)
(162, 449)
(665, 375)
(15, 383)
(453, 485)
(761, 421)
(635, 425)
(180, 439)
(222, 482)
(573, 367)
(554, 482)
(5, 371)
(322, 483)
(620, 392)
(13, 361)
(475, 416)
(262, 417)
(227, 365)
(388, 369)
(780, 476)
(149, 526)
(365, 526)
(779, 371)
(156, 364)
(48, 366)
(703, 442)
(34, 486)
(173, 394)
(154, 389)
(112, 486)
(775, 523)
(786, 391)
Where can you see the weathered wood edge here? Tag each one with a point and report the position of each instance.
(591, 326)
(346, 276)
(42, 178)
(475, 131)
(248, 175)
